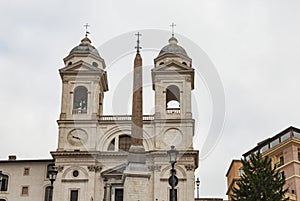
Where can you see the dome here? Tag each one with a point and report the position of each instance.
(85, 47)
(173, 48)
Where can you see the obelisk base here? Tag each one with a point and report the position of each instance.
(136, 185)
(136, 176)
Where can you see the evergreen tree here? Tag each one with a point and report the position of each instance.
(259, 181)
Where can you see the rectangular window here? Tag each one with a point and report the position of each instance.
(282, 176)
(298, 155)
(296, 134)
(285, 137)
(74, 195)
(25, 191)
(281, 161)
(274, 143)
(119, 195)
(264, 148)
(4, 183)
(175, 194)
(26, 171)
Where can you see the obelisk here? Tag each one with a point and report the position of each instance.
(137, 106)
(136, 175)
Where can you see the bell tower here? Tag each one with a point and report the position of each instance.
(173, 81)
(84, 82)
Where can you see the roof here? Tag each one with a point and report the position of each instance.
(85, 47)
(28, 161)
(173, 48)
(267, 141)
(231, 164)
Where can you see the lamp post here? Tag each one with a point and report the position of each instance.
(52, 176)
(198, 184)
(173, 180)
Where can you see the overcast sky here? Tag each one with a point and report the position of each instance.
(253, 44)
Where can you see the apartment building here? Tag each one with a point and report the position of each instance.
(284, 151)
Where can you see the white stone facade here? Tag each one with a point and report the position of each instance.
(93, 147)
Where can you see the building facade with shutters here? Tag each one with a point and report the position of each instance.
(284, 151)
(93, 147)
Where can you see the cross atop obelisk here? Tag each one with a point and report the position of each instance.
(138, 47)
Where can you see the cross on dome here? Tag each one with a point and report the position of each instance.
(86, 29)
(173, 27)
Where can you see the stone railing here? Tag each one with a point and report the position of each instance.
(173, 110)
(79, 111)
(124, 117)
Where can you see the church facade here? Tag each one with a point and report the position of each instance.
(93, 148)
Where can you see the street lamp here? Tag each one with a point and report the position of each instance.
(173, 180)
(173, 155)
(198, 184)
(52, 176)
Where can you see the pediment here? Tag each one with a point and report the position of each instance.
(80, 67)
(115, 171)
(173, 66)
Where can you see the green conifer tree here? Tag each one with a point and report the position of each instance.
(259, 181)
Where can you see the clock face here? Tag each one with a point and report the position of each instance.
(77, 137)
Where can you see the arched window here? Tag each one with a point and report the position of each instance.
(184, 63)
(2, 200)
(124, 142)
(4, 182)
(173, 99)
(80, 100)
(48, 193)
